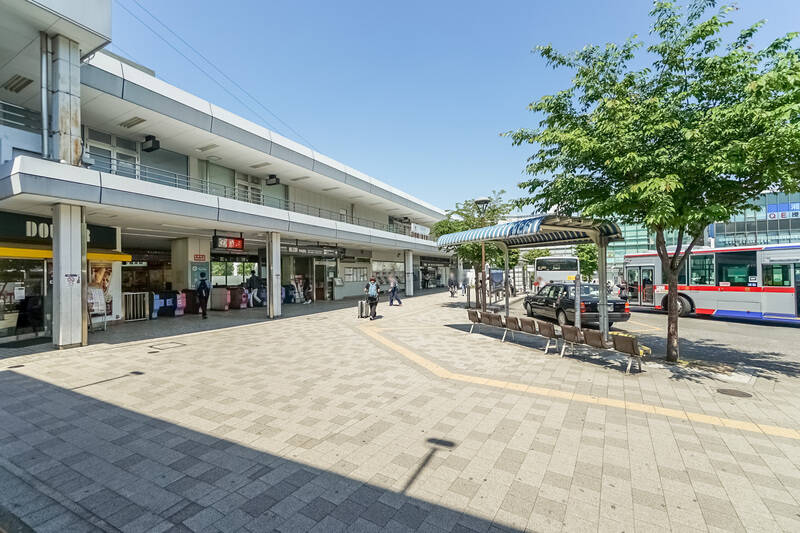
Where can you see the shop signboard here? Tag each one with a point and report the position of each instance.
(783, 211)
(228, 243)
(39, 230)
(315, 251)
(200, 257)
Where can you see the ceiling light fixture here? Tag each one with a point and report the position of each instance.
(207, 147)
(261, 165)
(213, 158)
(300, 178)
(16, 83)
(330, 189)
(131, 122)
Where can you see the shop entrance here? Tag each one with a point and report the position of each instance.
(25, 307)
(324, 275)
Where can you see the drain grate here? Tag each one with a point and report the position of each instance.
(735, 392)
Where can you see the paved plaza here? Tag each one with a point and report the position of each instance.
(323, 422)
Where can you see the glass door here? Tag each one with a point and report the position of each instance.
(23, 312)
(646, 277)
(632, 279)
(797, 287)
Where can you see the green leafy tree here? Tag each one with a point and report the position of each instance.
(467, 215)
(675, 146)
(587, 257)
(530, 256)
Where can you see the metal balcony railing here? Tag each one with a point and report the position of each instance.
(19, 117)
(131, 169)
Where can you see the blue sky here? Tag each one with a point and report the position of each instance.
(414, 93)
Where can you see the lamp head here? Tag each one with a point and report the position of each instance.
(482, 203)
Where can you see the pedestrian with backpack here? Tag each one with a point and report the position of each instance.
(373, 290)
(202, 291)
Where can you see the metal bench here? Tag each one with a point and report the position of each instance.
(548, 330)
(474, 317)
(629, 345)
(571, 335)
(512, 325)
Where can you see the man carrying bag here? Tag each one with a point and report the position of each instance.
(373, 290)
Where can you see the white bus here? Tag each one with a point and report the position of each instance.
(547, 269)
(752, 282)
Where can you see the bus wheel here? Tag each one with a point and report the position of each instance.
(684, 307)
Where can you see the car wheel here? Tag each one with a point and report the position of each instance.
(684, 307)
(562, 318)
(529, 309)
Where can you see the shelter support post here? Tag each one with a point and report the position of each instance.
(602, 250)
(577, 321)
(484, 292)
(507, 280)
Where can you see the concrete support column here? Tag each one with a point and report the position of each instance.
(274, 274)
(65, 101)
(190, 256)
(409, 273)
(70, 326)
(460, 270)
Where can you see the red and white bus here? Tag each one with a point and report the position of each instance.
(752, 282)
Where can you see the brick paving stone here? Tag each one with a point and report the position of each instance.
(223, 434)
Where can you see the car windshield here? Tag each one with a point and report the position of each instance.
(587, 291)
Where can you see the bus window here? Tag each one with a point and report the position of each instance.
(555, 264)
(734, 269)
(702, 269)
(776, 276)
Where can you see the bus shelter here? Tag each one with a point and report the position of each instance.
(543, 231)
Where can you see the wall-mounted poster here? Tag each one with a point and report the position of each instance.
(100, 278)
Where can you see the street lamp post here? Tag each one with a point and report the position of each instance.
(482, 204)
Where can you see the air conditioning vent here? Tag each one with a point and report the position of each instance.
(131, 122)
(207, 147)
(16, 83)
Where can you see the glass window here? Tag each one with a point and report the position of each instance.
(735, 268)
(776, 276)
(556, 264)
(587, 291)
(355, 274)
(102, 158)
(702, 269)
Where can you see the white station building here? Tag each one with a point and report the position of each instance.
(117, 189)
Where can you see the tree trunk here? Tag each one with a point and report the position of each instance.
(673, 349)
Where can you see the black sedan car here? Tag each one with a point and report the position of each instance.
(557, 301)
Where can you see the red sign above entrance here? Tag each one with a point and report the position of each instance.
(229, 243)
(200, 257)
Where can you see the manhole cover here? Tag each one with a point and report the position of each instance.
(166, 345)
(734, 392)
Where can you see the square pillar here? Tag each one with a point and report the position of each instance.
(65, 100)
(190, 256)
(274, 274)
(409, 273)
(70, 327)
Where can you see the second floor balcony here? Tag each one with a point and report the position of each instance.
(129, 168)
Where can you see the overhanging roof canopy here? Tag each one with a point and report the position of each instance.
(544, 230)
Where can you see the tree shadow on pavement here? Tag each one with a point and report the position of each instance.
(707, 358)
(71, 462)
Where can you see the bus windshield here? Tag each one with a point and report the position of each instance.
(552, 264)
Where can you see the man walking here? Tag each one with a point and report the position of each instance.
(373, 290)
(252, 289)
(202, 291)
(393, 291)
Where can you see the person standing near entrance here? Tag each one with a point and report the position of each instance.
(393, 291)
(373, 290)
(202, 291)
(452, 284)
(252, 289)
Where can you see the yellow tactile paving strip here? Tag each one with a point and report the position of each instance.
(443, 373)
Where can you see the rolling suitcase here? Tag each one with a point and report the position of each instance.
(362, 309)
